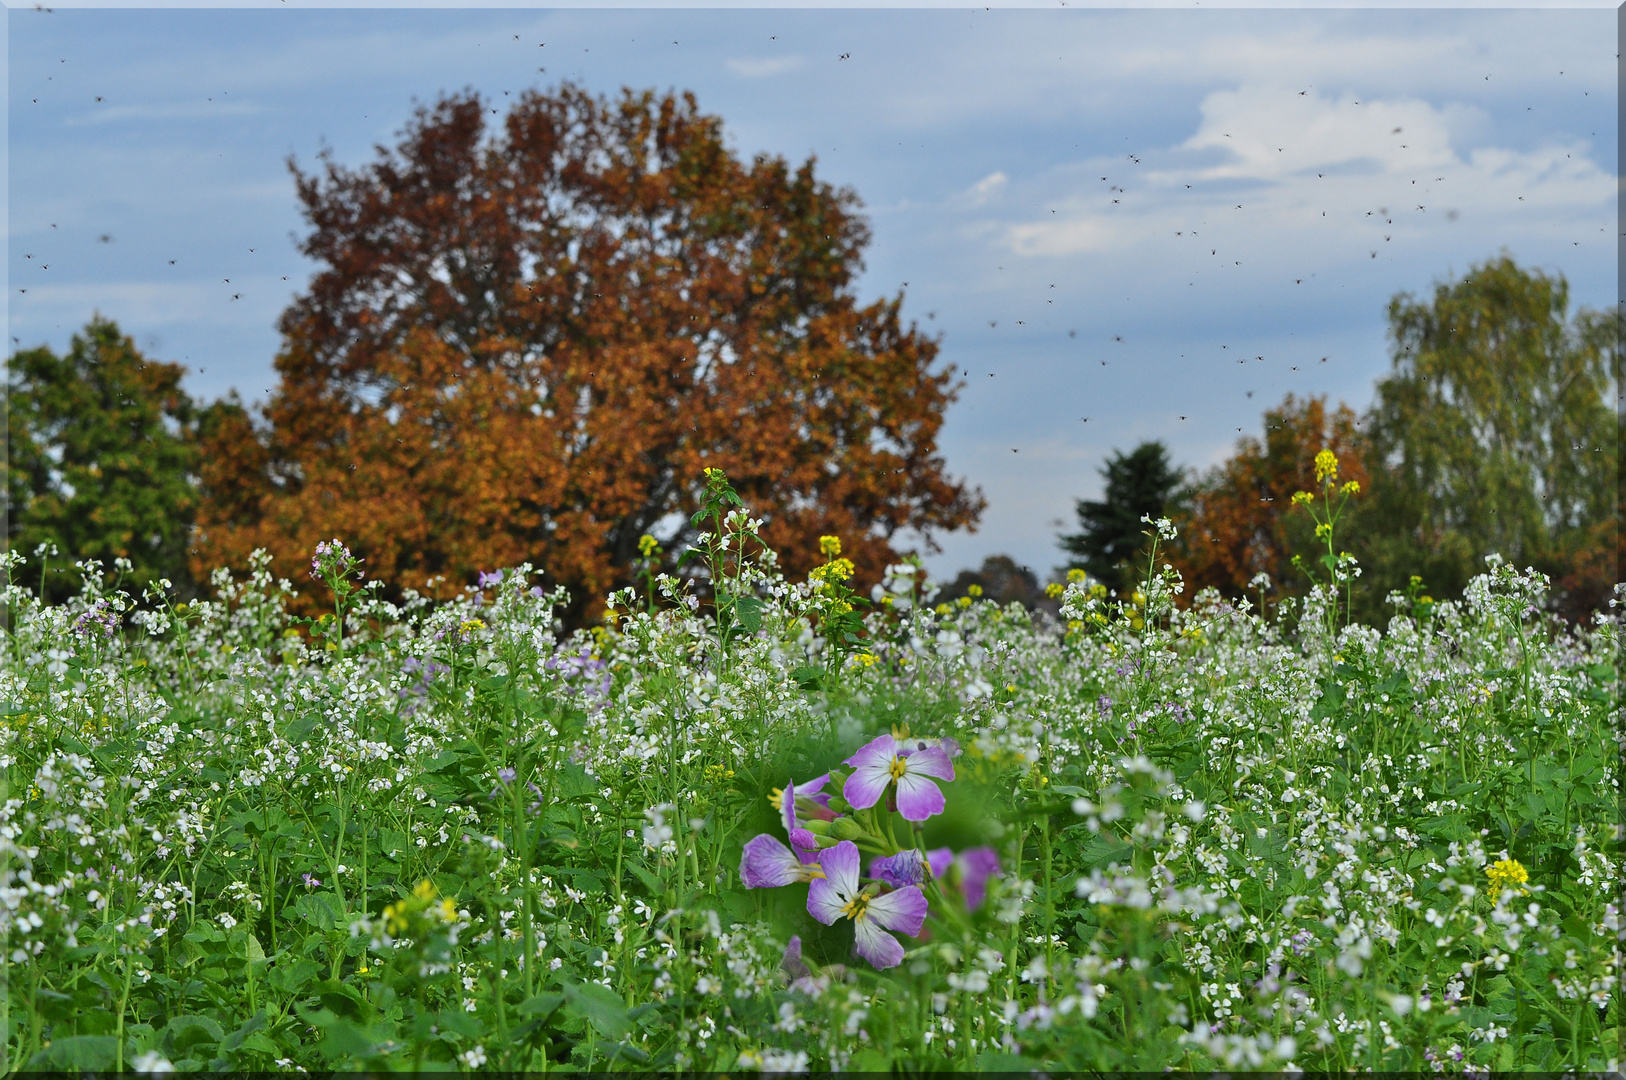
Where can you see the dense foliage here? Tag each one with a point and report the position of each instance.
(1496, 430)
(100, 458)
(447, 834)
(525, 344)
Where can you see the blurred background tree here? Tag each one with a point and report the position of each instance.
(1495, 431)
(528, 346)
(1236, 519)
(100, 459)
(1111, 534)
(1004, 581)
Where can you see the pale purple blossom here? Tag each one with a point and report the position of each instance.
(768, 864)
(970, 870)
(836, 895)
(886, 761)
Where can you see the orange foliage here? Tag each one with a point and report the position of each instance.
(1238, 520)
(528, 347)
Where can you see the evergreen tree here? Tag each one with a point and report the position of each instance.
(1110, 537)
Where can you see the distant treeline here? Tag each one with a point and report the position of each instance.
(526, 345)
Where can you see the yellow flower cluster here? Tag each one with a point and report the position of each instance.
(1326, 466)
(1302, 498)
(1054, 590)
(1075, 575)
(1505, 873)
(836, 570)
(648, 545)
(398, 916)
(973, 590)
(829, 546)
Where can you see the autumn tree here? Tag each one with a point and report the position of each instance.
(1496, 432)
(526, 343)
(1111, 534)
(1236, 519)
(100, 458)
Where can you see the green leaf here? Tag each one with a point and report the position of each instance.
(235, 1040)
(290, 978)
(541, 1006)
(183, 1033)
(78, 1053)
(599, 1006)
(748, 610)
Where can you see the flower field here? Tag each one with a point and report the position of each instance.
(776, 825)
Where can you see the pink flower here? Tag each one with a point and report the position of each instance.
(908, 764)
(836, 896)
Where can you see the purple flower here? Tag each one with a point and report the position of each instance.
(792, 964)
(887, 761)
(905, 868)
(802, 840)
(489, 580)
(311, 882)
(768, 864)
(506, 775)
(836, 895)
(971, 869)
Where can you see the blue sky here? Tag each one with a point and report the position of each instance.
(1158, 220)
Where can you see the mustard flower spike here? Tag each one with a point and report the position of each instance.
(1326, 466)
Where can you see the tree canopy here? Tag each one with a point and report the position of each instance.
(526, 344)
(100, 457)
(1111, 532)
(1495, 432)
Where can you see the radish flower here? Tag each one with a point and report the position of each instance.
(908, 763)
(836, 895)
(768, 864)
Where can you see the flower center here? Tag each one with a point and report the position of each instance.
(896, 769)
(855, 907)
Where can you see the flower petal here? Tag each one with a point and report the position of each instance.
(767, 864)
(792, 963)
(903, 910)
(840, 866)
(878, 751)
(932, 761)
(865, 786)
(876, 945)
(787, 809)
(940, 860)
(823, 902)
(918, 797)
(977, 865)
(905, 868)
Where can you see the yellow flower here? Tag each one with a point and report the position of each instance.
(1075, 575)
(648, 545)
(1323, 531)
(425, 890)
(1326, 466)
(867, 659)
(1351, 487)
(1098, 590)
(829, 546)
(447, 910)
(836, 570)
(1054, 590)
(943, 609)
(1503, 873)
(973, 590)
(1302, 498)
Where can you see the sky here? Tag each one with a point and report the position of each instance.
(1120, 225)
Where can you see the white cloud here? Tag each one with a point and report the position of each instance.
(762, 68)
(1302, 174)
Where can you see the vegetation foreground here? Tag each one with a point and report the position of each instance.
(791, 828)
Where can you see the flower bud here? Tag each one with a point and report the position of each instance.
(845, 828)
(817, 827)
